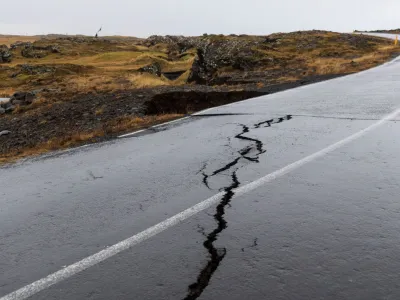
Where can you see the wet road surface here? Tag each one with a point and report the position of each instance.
(328, 229)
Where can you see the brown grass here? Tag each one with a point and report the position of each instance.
(118, 125)
(11, 39)
(6, 92)
(40, 102)
(147, 80)
(324, 66)
(126, 123)
(107, 82)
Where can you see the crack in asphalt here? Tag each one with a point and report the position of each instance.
(217, 255)
(259, 144)
(268, 123)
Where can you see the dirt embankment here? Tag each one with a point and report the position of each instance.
(79, 89)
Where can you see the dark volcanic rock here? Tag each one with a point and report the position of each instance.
(5, 54)
(19, 44)
(31, 51)
(199, 72)
(216, 54)
(36, 69)
(213, 52)
(5, 132)
(22, 98)
(6, 107)
(154, 69)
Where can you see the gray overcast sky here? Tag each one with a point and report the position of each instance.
(188, 17)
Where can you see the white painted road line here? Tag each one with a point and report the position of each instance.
(155, 126)
(132, 133)
(90, 261)
(170, 122)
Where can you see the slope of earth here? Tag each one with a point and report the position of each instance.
(79, 89)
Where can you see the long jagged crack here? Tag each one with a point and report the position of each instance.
(259, 144)
(217, 255)
(268, 123)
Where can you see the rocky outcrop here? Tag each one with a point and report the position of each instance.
(35, 69)
(213, 53)
(32, 51)
(22, 98)
(19, 44)
(5, 54)
(154, 69)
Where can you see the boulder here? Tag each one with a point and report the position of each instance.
(154, 69)
(2, 111)
(5, 132)
(218, 52)
(22, 98)
(30, 52)
(7, 107)
(5, 54)
(10, 109)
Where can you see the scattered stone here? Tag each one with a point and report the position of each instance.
(36, 69)
(5, 132)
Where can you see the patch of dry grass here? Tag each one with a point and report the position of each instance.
(147, 80)
(11, 39)
(284, 79)
(39, 102)
(6, 92)
(339, 65)
(127, 123)
(51, 145)
(108, 82)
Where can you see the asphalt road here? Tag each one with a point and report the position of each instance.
(326, 226)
